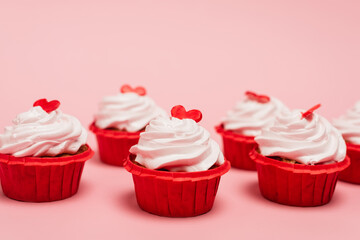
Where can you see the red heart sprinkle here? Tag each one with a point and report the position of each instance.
(309, 112)
(141, 91)
(255, 97)
(47, 106)
(180, 113)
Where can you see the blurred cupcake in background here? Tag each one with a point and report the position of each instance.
(349, 126)
(299, 158)
(42, 155)
(243, 123)
(120, 120)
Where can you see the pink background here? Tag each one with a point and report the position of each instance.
(201, 54)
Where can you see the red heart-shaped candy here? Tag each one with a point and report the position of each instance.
(180, 112)
(47, 106)
(256, 97)
(141, 91)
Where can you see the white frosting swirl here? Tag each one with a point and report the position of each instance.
(249, 117)
(309, 140)
(127, 111)
(38, 133)
(177, 145)
(349, 124)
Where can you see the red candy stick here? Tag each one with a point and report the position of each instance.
(256, 97)
(180, 113)
(47, 106)
(310, 111)
(141, 91)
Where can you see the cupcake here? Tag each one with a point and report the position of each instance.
(176, 166)
(299, 159)
(243, 123)
(120, 120)
(349, 126)
(42, 155)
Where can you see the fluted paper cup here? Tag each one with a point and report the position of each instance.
(114, 145)
(237, 148)
(297, 184)
(352, 173)
(175, 194)
(42, 179)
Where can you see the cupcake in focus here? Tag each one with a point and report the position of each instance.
(349, 126)
(244, 122)
(120, 120)
(42, 154)
(299, 159)
(176, 166)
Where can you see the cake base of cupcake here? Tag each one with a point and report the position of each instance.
(175, 194)
(352, 173)
(114, 145)
(42, 179)
(297, 184)
(237, 148)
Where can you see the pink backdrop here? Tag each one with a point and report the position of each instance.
(202, 54)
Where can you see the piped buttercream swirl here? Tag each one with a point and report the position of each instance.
(177, 145)
(349, 124)
(127, 111)
(38, 133)
(310, 140)
(249, 117)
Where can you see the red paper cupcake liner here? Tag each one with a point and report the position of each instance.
(42, 179)
(237, 148)
(114, 145)
(297, 184)
(352, 173)
(175, 194)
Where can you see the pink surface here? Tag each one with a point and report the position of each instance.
(201, 54)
